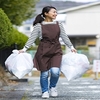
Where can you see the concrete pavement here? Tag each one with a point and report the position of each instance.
(79, 89)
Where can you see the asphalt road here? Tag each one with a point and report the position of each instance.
(79, 89)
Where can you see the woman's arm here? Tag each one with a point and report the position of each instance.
(35, 33)
(65, 38)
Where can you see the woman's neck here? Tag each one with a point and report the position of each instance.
(48, 20)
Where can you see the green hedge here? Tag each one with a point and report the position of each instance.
(5, 29)
(18, 38)
(82, 48)
(8, 34)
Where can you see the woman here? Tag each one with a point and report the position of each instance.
(49, 54)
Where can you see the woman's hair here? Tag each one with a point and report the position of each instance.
(39, 18)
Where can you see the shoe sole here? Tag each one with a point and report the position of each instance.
(54, 96)
(45, 97)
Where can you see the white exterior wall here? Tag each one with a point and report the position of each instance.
(83, 21)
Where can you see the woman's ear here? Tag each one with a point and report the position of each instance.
(46, 14)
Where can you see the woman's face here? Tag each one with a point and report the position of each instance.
(51, 14)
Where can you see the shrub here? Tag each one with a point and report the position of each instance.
(82, 48)
(5, 29)
(8, 34)
(18, 38)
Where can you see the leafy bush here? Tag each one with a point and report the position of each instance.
(18, 38)
(5, 29)
(18, 10)
(82, 48)
(9, 35)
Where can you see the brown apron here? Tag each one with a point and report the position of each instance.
(49, 53)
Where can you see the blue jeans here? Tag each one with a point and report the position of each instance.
(54, 76)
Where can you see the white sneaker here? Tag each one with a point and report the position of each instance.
(53, 92)
(45, 95)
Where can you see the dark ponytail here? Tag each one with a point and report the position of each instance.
(38, 19)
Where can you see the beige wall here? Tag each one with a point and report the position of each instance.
(83, 21)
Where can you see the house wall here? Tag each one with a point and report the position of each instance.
(83, 21)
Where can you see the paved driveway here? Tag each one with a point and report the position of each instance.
(80, 89)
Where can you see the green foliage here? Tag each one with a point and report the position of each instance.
(86, 75)
(18, 10)
(63, 47)
(9, 35)
(18, 38)
(5, 30)
(37, 41)
(82, 48)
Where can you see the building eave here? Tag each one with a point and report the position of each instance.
(79, 7)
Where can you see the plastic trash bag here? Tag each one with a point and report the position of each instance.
(19, 64)
(74, 65)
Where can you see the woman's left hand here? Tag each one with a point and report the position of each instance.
(74, 50)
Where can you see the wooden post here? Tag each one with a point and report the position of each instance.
(96, 76)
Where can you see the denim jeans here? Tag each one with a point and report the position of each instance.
(54, 76)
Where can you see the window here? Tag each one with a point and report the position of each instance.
(27, 28)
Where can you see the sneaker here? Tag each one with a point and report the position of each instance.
(53, 92)
(45, 95)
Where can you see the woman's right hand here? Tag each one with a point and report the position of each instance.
(21, 51)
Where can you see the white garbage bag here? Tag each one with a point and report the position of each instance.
(74, 65)
(19, 64)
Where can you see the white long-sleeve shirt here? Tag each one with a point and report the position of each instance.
(37, 32)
